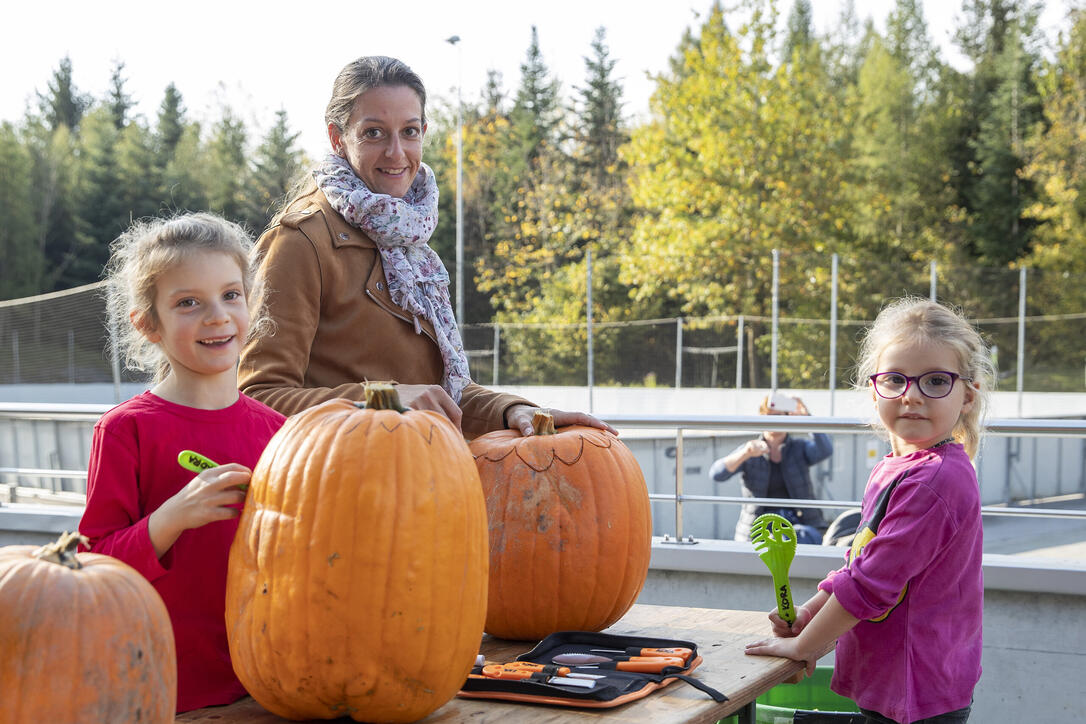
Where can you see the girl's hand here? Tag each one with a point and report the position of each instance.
(781, 629)
(519, 417)
(430, 397)
(208, 497)
(787, 648)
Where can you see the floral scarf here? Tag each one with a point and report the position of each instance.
(401, 229)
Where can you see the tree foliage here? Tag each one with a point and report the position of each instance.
(764, 138)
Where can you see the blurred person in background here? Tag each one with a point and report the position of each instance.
(777, 465)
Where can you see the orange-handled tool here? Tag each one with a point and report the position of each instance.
(651, 664)
(539, 668)
(579, 659)
(682, 653)
(498, 671)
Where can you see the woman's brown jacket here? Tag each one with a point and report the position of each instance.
(336, 326)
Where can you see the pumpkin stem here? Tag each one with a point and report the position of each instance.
(543, 423)
(383, 396)
(63, 550)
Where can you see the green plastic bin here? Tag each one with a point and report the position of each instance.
(779, 704)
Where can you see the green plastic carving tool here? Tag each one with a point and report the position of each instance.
(198, 463)
(775, 540)
(194, 461)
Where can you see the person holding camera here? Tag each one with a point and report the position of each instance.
(777, 465)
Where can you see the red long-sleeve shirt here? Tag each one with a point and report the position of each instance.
(133, 470)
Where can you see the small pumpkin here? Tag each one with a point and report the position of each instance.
(570, 529)
(84, 638)
(356, 583)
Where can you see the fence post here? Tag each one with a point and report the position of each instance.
(776, 299)
(71, 356)
(1021, 335)
(932, 281)
(739, 355)
(588, 319)
(678, 353)
(115, 362)
(833, 331)
(15, 354)
(679, 485)
(497, 346)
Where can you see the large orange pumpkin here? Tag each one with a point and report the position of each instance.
(570, 529)
(357, 579)
(83, 638)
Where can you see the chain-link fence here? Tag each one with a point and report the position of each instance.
(1035, 321)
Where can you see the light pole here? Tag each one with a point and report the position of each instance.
(455, 40)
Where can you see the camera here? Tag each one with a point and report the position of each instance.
(782, 403)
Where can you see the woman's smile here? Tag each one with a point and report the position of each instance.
(382, 141)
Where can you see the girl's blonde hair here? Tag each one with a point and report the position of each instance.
(147, 250)
(915, 320)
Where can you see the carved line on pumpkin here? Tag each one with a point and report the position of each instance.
(428, 436)
(583, 438)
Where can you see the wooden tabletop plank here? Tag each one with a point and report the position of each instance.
(719, 633)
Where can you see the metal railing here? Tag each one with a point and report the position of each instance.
(677, 423)
(800, 424)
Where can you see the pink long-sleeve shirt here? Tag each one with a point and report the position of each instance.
(133, 470)
(916, 584)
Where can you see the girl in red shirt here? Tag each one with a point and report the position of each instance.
(180, 289)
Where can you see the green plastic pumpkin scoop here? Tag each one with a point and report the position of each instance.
(775, 541)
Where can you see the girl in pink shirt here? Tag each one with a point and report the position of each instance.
(906, 608)
(181, 290)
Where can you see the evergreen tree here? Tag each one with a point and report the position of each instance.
(119, 102)
(54, 193)
(907, 39)
(225, 167)
(493, 94)
(800, 31)
(184, 177)
(20, 257)
(102, 207)
(276, 164)
(63, 104)
(599, 132)
(534, 117)
(1001, 104)
(171, 123)
(140, 184)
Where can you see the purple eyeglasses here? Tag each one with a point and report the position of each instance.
(934, 384)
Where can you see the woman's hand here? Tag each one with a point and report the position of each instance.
(754, 448)
(519, 417)
(430, 397)
(208, 497)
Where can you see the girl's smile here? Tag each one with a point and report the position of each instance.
(201, 321)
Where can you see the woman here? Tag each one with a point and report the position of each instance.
(354, 289)
(776, 465)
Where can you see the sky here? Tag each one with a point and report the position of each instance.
(260, 57)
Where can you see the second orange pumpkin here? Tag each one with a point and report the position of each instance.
(570, 529)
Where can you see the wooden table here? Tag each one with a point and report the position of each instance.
(720, 635)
